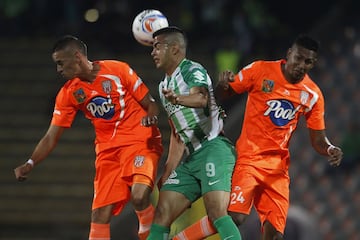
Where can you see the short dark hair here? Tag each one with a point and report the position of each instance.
(307, 42)
(69, 40)
(171, 29)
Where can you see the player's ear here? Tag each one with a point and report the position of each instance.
(79, 56)
(288, 53)
(175, 48)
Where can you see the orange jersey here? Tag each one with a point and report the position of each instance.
(111, 102)
(272, 112)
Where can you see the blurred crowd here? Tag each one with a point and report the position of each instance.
(234, 33)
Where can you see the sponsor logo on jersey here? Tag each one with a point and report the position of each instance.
(199, 77)
(106, 86)
(171, 179)
(79, 95)
(101, 107)
(172, 108)
(281, 111)
(267, 85)
(139, 161)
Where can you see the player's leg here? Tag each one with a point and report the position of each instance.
(216, 203)
(243, 189)
(218, 160)
(272, 205)
(170, 205)
(144, 169)
(176, 195)
(197, 231)
(100, 223)
(270, 232)
(108, 188)
(140, 198)
(214, 166)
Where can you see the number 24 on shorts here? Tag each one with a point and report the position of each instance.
(237, 196)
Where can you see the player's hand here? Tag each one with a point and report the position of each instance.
(170, 95)
(335, 156)
(22, 171)
(224, 78)
(147, 121)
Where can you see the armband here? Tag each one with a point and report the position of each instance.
(330, 147)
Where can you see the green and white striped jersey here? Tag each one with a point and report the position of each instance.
(193, 125)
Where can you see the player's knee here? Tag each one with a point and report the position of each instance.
(214, 214)
(140, 196)
(163, 215)
(215, 205)
(140, 199)
(101, 215)
(238, 218)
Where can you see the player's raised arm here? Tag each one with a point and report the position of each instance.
(41, 151)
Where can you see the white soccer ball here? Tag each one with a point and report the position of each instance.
(146, 23)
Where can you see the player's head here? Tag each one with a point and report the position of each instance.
(301, 58)
(69, 53)
(70, 42)
(169, 47)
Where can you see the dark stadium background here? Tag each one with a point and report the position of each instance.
(55, 202)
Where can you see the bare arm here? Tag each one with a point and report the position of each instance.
(176, 151)
(322, 145)
(197, 98)
(152, 109)
(41, 151)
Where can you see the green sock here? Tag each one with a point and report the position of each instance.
(227, 228)
(158, 232)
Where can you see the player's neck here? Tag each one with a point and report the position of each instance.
(173, 65)
(90, 72)
(288, 76)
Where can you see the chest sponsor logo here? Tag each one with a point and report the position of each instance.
(281, 112)
(172, 108)
(101, 107)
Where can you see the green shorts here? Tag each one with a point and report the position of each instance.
(207, 169)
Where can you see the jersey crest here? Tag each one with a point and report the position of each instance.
(79, 95)
(267, 85)
(106, 86)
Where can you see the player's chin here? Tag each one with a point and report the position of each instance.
(298, 76)
(157, 63)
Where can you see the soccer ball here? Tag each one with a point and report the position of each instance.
(146, 23)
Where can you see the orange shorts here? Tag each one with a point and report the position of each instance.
(117, 169)
(266, 189)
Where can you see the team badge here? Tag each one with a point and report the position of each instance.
(139, 161)
(304, 97)
(267, 85)
(79, 95)
(106, 85)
